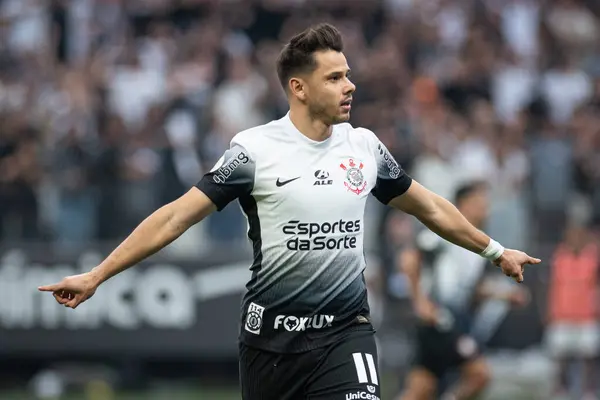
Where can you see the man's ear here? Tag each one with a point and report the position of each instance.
(298, 88)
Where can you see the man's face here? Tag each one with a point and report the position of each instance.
(329, 89)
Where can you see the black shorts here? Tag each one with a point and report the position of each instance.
(439, 351)
(344, 370)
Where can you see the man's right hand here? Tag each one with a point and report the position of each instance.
(73, 290)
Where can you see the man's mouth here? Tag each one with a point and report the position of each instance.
(346, 105)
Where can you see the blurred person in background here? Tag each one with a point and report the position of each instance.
(573, 331)
(552, 182)
(586, 136)
(445, 306)
(107, 176)
(77, 222)
(20, 173)
(432, 165)
(508, 216)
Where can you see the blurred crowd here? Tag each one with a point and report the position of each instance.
(111, 108)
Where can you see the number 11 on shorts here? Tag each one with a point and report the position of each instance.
(361, 369)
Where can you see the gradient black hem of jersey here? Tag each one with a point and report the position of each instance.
(250, 208)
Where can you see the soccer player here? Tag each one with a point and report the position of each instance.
(443, 339)
(303, 182)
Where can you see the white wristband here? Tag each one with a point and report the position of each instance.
(493, 251)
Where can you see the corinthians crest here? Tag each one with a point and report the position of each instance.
(355, 180)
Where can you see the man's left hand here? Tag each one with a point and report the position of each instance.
(512, 263)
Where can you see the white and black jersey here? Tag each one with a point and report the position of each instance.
(305, 203)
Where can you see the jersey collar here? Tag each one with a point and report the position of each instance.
(290, 127)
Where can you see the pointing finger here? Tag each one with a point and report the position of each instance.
(50, 288)
(533, 260)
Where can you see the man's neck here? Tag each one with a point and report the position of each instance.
(312, 128)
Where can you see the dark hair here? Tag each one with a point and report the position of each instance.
(298, 55)
(468, 189)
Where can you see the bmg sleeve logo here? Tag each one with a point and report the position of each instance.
(229, 166)
(392, 166)
(254, 318)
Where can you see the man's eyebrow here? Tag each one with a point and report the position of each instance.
(339, 72)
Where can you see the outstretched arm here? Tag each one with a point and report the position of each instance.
(154, 233)
(442, 217)
(230, 178)
(395, 188)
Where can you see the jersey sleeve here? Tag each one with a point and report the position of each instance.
(231, 177)
(392, 180)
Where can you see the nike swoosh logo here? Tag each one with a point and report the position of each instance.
(282, 183)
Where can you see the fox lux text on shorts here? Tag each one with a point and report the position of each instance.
(298, 324)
